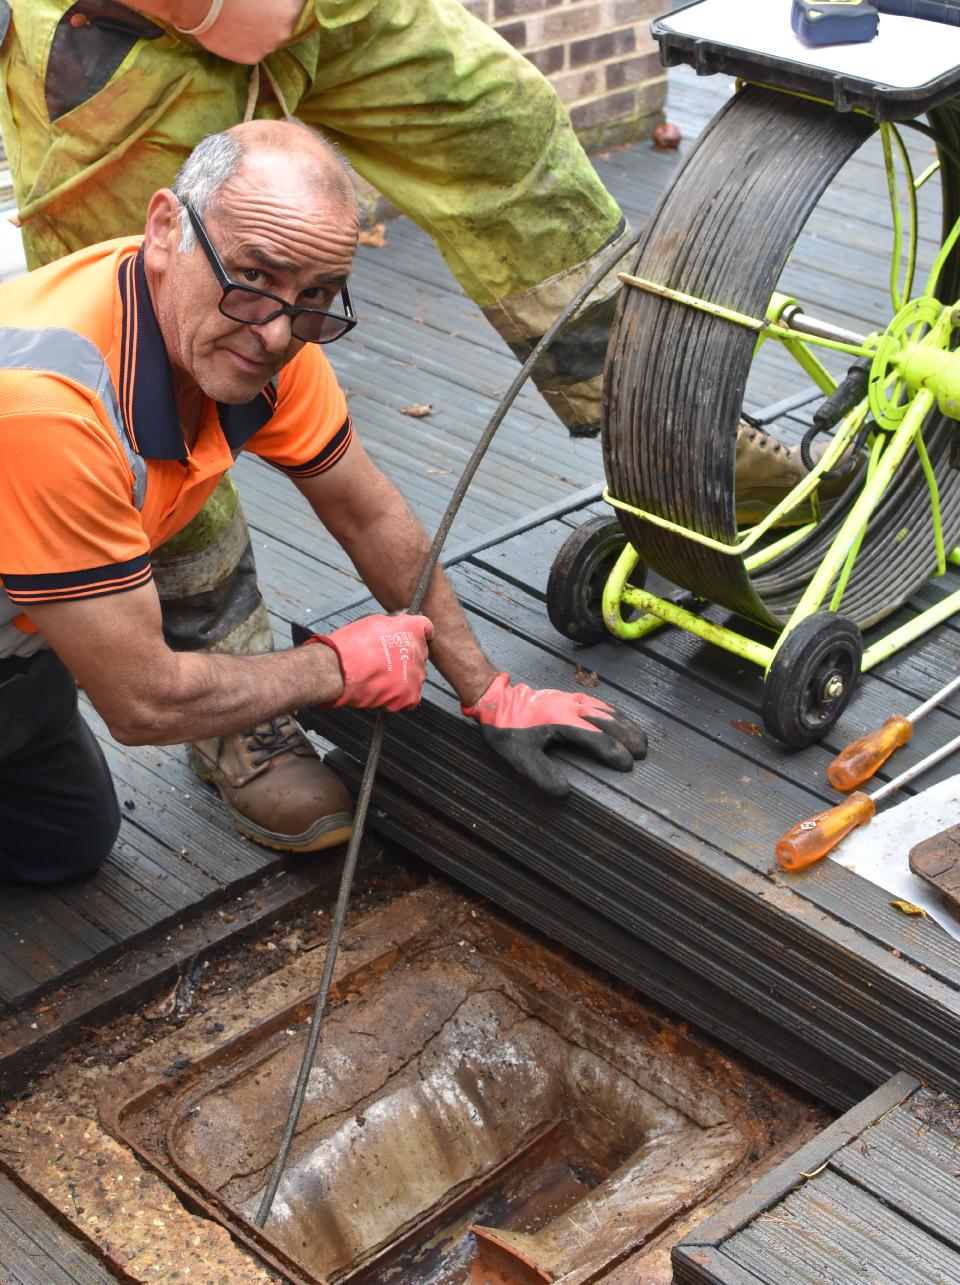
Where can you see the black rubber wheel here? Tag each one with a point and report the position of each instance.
(578, 576)
(812, 678)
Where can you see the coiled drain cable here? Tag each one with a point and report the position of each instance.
(376, 740)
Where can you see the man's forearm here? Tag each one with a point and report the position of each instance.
(212, 695)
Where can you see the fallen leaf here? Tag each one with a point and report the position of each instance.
(439, 470)
(908, 908)
(417, 412)
(375, 236)
(164, 1007)
(585, 677)
(742, 725)
(418, 320)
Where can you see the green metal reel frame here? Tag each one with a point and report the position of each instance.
(914, 368)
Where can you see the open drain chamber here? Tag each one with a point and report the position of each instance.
(475, 1097)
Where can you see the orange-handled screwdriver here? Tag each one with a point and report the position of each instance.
(858, 762)
(810, 840)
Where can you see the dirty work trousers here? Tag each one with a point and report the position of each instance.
(58, 809)
(455, 127)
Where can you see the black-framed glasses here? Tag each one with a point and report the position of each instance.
(257, 307)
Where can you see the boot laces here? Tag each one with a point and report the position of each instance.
(276, 736)
(765, 440)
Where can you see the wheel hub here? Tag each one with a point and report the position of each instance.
(908, 359)
(833, 688)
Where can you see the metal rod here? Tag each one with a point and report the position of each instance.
(674, 614)
(794, 318)
(376, 740)
(934, 700)
(892, 786)
(855, 344)
(920, 624)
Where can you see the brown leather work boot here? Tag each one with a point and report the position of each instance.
(765, 469)
(277, 789)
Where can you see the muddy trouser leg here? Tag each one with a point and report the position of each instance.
(207, 582)
(58, 809)
(466, 137)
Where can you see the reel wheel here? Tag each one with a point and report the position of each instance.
(811, 679)
(578, 577)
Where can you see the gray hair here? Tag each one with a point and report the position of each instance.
(211, 164)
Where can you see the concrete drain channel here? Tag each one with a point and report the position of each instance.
(481, 1111)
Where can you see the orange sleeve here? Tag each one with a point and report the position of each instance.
(70, 528)
(310, 428)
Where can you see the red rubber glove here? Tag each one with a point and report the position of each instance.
(383, 660)
(519, 722)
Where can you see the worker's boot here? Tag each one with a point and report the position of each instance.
(765, 469)
(278, 791)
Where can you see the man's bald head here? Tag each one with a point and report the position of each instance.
(279, 218)
(257, 154)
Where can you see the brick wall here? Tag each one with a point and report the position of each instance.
(598, 54)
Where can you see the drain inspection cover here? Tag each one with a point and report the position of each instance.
(478, 1105)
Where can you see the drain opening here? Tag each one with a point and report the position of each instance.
(472, 1116)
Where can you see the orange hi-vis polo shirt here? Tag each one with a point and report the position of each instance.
(94, 471)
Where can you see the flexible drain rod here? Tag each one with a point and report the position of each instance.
(376, 740)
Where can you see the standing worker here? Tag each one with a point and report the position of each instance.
(137, 369)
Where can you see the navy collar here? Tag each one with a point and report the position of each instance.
(147, 400)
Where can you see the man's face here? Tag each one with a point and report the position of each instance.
(285, 239)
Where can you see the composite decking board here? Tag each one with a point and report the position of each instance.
(872, 1197)
(15, 980)
(47, 937)
(819, 977)
(127, 898)
(35, 1250)
(673, 910)
(197, 823)
(829, 1230)
(461, 853)
(454, 351)
(514, 484)
(685, 731)
(708, 1266)
(910, 1165)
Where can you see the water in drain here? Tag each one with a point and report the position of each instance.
(455, 1089)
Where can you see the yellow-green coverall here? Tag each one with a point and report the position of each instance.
(101, 105)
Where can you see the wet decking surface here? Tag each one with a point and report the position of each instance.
(421, 341)
(677, 894)
(873, 1197)
(36, 1250)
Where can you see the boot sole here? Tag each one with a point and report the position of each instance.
(327, 832)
